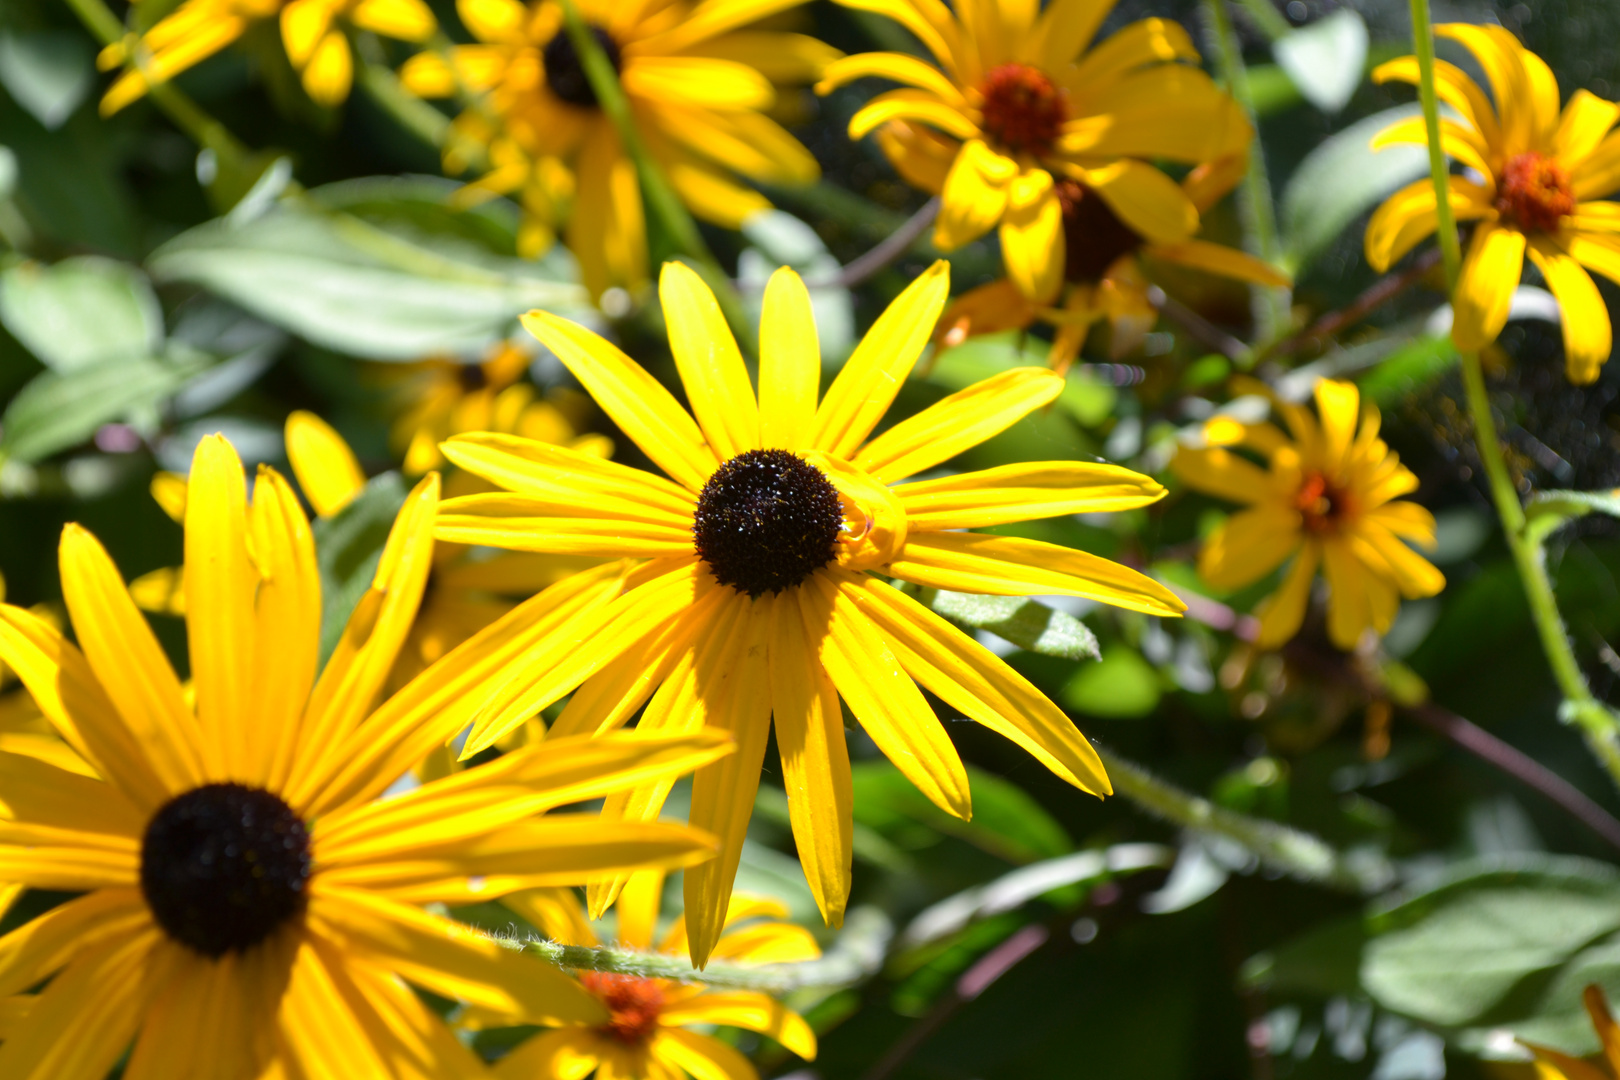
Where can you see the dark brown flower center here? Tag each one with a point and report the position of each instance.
(223, 866)
(471, 377)
(565, 73)
(766, 520)
(1023, 110)
(1535, 193)
(1093, 237)
(633, 1004)
(1322, 504)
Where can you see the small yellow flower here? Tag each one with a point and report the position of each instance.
(1532, 177)
(767, 551)
(1018, 104)
(645, 1037)
(1105, 273)
(1329, 499)
(311, 30)
(1554, 1065)
(249, 905)
(698, 84)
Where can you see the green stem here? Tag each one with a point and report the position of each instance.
(1270, 21)
(187, 115)
(1255, 207)
(1287, 849)
(663, 205)
(858, 955)
(1599, 724)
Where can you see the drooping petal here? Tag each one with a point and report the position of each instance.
(1451, 86)
(1282, 612)
(1406, 217)
(959, 422)
(1032, 241)
(870, 379)
(635, 401)
(915, 106)
(1220, 260)
(1500, 57)
(789, 363)
(1145, 199)
(1022, 492)
(1414, 575)
(931, 22)
(1490, 274)
(749, 1010)
(1013, 566)
(896, 67)
(710, 366)
(975, 195)
(1249, 546)
(815, 759)
(1588, 335)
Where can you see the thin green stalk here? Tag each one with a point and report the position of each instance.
(1278, 846)
(1270, 21)
(1599, 724)
(187, 115)
(663, 204)
(1255, 207)
(857, 956)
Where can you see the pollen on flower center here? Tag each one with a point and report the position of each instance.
(633, 1004)
(1093, 235)
(223, 866)
(1024, 110)
(565, 74)
(766, 520)
(1322, 504)
(1535, 193)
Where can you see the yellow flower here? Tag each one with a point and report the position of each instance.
(645, 1036)
(1104, 273)
(1532, 175)
(698, 87)
(251, 906)
(1018, 104)
(761, 591)
(1330, 500)
(311, 30)
(1554, 1065)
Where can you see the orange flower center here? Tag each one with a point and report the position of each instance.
(633, 1004)
(1023, 109)
(1093, 236)
(1323, 504)
(1535, 193)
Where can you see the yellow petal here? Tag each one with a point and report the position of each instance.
(1586, 120)
(83, 1021)
(706, 356)
(1141, 44)
(975, 195)
(738, 702)
(815, 759)
(197, 1022)
(1284, 610)
(631, 397)
(884, 699)
(1147, 201)
(1010, 493)
(525, 523)
(697, 80)
(1222, 261)
(407, 20)
(929, 21)
(493, 20)
(896, 67)
(1170, 112)
(1490, 273)
(961, 421)
(781, 58)
(326, 469)
(967, 676)
(1451, 86)
(1500, 56)
(871, 378)
(919, 154)
(169, 492)
(557, 914)
(789, 363)
(608, 230)
(1464, 144)
(1249, 546)
(1219, 472)
(703, 1057)
(1064, 29)
(1588, 336)
(1407, 216)
(748, 1010)
(554, 473)
(1032, 242)
(303, 24)
(1013, 566)
(130, 664)
(917, 106)
(1414, 575)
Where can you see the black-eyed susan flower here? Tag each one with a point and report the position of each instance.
(1020, 103)
(646, 1036)
(1105, 273)
(1556, 1065)
(313, 32)
(1532, 180)
(698, 84)
(250, 906)
(1330, 498)
(766, 550)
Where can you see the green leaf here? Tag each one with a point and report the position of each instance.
(1007, 822)
(1122, 686)
(1408, 369)
(1341, 179)
(1085, 399)
(348, 546)
(1549, 510)
(81, 312)
(58, 410)
(1325, 59)
(379, 291)
(47, 72)
(1028, 624)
